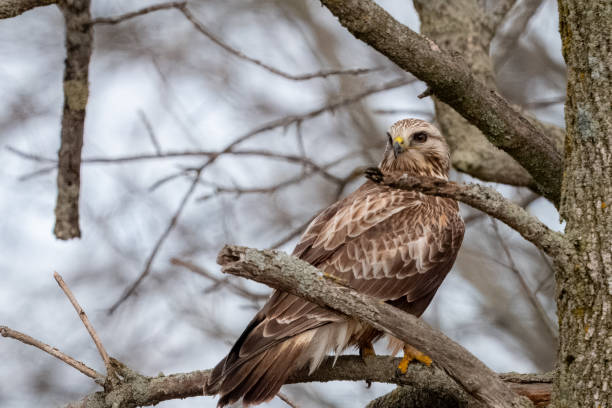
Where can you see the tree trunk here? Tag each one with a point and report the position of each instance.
(584, 278)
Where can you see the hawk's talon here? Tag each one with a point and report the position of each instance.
(410, 353)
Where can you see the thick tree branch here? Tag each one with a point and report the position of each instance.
(76, 92)
(452, 81)
(145, 391)
(13, 8)
(299, 278)
(484, 199)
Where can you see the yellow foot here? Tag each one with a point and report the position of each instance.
(410, 353)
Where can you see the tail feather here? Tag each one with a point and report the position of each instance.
(257, 377)
(260, 377)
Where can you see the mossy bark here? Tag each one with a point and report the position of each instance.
(584, 283)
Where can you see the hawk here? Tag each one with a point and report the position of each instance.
(394, 245)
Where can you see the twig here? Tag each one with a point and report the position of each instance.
(287, 400)
(484, 199)
(292, 275)
(150, 132)
(24, 338)
(237, 289)
(545, 102)
(528, 292)
(321, 74)
(142, 11)
(330, 107)
(427, 92)
(37, 173)
(147, 268)
(182, 7)
(76, 92)
(296, 232)
(86, 322)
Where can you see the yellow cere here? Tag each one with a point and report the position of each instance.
(399, 139)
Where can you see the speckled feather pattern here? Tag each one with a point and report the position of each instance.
(391, 244)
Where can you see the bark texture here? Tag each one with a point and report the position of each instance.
(13, 8)
(76, 92)
(461, 26)
(584, 283)
(450, 79)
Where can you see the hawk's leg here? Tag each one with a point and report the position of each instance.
(366, 350)
(410, 353)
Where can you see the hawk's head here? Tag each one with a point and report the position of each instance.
(415, 146)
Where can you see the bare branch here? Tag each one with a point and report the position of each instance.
(182, 7)
(24, 338)
(137, 13)
(150, 132)
(76, 92)
(531, 295)
(85, 320)
(484, 199)
(283, 122)
(13, 8)
(296, 232)
(330, 107)
(160, 241)
(299, 278)
(321, 74)
(453, 82)
(287, 400)
(231, 285)
(152, 390)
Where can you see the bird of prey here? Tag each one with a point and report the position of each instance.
(392, 244)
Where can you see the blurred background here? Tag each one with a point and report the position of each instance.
(163, 97)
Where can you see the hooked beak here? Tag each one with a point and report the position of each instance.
(397, 148)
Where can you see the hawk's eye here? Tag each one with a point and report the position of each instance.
(419, 137)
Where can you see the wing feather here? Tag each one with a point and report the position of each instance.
(392, 244)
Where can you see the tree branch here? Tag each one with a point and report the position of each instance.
(299, 278)
(182, 7)
(86, 322)
(24, 338)
(452, 81)
(13, 8)
(484, 199)
(145, 391)
(76, 92)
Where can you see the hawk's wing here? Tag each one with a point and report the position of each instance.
(383, 242)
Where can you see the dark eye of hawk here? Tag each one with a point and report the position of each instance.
(420, 137)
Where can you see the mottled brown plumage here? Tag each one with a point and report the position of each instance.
(391, 244)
